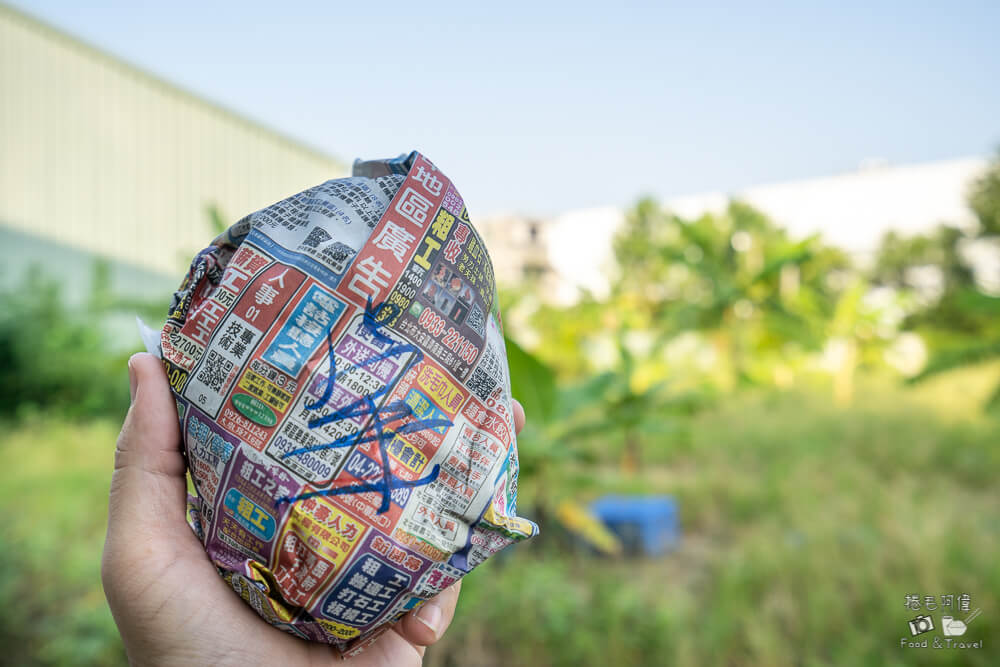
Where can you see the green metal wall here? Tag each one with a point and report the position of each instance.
(100, 156)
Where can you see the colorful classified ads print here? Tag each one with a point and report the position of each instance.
(341, 380)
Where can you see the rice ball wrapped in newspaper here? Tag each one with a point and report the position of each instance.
(342, 385)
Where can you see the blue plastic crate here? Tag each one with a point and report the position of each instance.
(646, 525)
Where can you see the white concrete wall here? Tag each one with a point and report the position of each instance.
(851, 211)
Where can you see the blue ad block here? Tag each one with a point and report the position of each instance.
(304, 331)
(250, 515)
(424, 409)
(368, 590)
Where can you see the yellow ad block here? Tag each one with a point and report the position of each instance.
(262, 388)
(511, 524)
(259, 599)
(338, 630)
(325, 529)
(440, 388)
(407, 455)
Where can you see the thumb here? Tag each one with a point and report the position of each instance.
(148, 489)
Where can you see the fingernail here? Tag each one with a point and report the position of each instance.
(133, 382)
(430, 615)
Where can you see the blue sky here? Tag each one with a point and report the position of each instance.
(542, 107)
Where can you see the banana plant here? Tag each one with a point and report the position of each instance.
(736, 278)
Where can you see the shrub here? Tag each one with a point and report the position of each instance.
(55, 358)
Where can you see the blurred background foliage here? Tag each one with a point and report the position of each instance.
(829, 430)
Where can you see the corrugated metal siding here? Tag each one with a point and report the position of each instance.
(98, 155)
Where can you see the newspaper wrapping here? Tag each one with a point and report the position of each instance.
(342, 386)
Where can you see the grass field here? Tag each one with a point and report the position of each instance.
(805, 526)
(54, 500)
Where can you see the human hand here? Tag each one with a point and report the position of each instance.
(170, 604)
